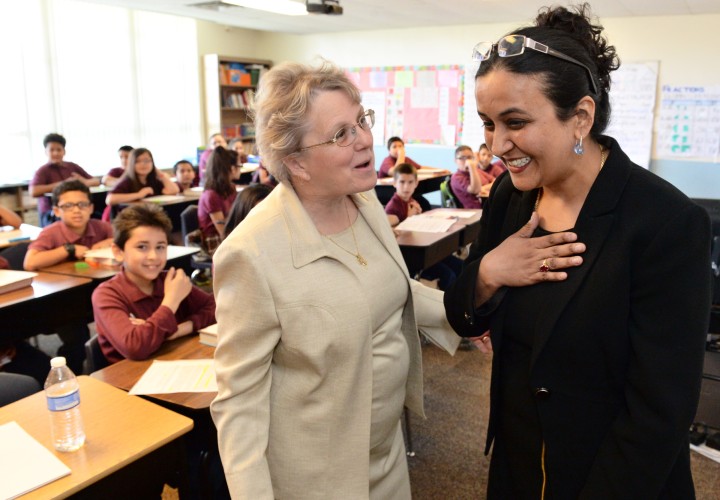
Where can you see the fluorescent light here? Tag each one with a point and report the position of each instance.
(285, 7)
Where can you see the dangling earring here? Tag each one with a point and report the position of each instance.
(578, 148)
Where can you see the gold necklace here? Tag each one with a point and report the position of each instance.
(603, 157)
(361, 260)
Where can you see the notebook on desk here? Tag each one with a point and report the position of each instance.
(12, 280)
(25, 463)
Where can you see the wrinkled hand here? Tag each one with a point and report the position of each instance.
(517, 260)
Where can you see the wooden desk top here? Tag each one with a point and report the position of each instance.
(124, 374)
(104, 272)
(25, 232)
(43, 284)
(119, 428)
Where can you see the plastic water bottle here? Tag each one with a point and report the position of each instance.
(63, 400)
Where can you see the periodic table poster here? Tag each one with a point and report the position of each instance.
(421, 104)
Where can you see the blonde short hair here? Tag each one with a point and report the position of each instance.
(282, 104)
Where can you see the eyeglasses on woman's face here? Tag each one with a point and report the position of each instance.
(346, 136)
(514, 45)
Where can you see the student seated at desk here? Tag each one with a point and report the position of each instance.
(71, 236)
(214, 141)
(396, 148)
(467, 180)
(491, 169)
(53, 173)
(113, 176)
(141, 179)
(8, 218)
(401, 206)
(185, 177)
(143, 306)
(219, 194)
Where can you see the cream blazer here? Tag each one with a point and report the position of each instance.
(294, 354)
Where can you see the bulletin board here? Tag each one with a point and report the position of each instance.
(421, 104)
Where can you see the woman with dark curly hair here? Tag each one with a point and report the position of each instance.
(591, 275)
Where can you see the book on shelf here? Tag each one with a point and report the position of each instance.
(13, 280)
(208, 335)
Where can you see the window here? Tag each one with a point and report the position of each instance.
(103, 77)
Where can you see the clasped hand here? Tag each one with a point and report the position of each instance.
(522, 260)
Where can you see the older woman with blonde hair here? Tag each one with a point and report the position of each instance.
(318, 347)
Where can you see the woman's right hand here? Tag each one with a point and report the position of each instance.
(146, 191)
(519, 260)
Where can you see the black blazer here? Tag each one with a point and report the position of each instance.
(620, 351)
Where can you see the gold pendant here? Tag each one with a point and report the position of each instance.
(361, 260)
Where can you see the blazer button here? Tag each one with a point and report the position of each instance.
(542, 393)
(469, 318)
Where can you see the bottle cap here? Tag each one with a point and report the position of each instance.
(57, 362)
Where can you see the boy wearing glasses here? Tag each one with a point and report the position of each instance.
(467, 181)
(74, 234)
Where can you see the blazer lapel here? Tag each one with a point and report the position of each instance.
(372, 211)
(594, 222)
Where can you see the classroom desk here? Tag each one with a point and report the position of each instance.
(421, 250)
(172, 204)
(429, 180)
(178, 256)
(10, 236)
(124, 374)
(120, 429)
(51, 300)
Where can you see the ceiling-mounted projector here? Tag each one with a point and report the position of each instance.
(331, 7)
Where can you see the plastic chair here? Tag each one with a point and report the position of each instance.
(94, 358)
(447, 197)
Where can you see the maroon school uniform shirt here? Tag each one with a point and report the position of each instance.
(389, 162)
(210, 202)
(57, 234)
(118, 298)
(459, 183)
(494, 170)
(398, 207)
(51, 173)
(116, 172)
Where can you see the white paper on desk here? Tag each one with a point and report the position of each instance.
(706, 451)
(425, 224)
(459, 213)
(185, 375)
(164, 198)
(25, 463)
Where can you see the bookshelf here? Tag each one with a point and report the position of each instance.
(230, 84)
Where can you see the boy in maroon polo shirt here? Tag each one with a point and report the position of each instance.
(468, 179)
(71, 236)
(396, 156)
(401, 206)
(143, 306)
(53, 173)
